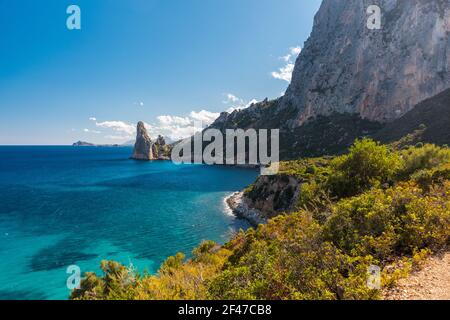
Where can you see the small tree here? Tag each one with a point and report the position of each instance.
(368, 164)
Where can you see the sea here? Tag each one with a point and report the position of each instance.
(63, 206)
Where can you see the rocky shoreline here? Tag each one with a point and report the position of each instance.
(241, 209)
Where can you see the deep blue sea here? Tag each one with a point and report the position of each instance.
(62, 206)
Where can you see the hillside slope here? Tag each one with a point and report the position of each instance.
(433, 113)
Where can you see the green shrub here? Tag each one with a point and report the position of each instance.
(367, 165)
(172, 263)
(288, 259)
(391, 222)
(427, 177)
(118, 283)
(420, 158)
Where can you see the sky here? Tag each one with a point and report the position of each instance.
(165, 62)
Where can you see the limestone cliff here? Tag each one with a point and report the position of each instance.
(345, 67)
(379, 74)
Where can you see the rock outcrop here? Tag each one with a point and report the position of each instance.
(240, 207)
(268, 197)
(143, 148)
(146, 149)
(345, 67)
(161, 150)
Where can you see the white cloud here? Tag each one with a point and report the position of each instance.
(232, 98)
(92, 119)
(172, 133)
(173, 120)
(285, 72)
(172, 127)
(293, 52)
(206, 117)
(91, 131)
(119, 126)
(237, 103)
(286, 57)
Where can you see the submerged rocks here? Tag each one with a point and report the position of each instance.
(145, 149)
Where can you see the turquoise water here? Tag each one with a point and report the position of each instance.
(61, 206)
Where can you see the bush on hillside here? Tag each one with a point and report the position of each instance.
(428, 177)
(425, 157)
(118, 283)
(368, 164)
(288, 259)
(391, 222)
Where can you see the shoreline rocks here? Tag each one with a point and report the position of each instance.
(241, 209)
(268, 197)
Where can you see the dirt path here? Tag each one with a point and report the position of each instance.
(430, 283)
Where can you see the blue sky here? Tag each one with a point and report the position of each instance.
(164, 62)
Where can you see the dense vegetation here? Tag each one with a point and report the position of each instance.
(373, 206)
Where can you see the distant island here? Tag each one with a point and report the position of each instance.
(89, 144)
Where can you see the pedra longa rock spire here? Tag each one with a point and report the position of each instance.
(146, 149)
(143, 147)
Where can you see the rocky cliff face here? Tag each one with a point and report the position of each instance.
(146, 149)
(346, 68)
(379, 74)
